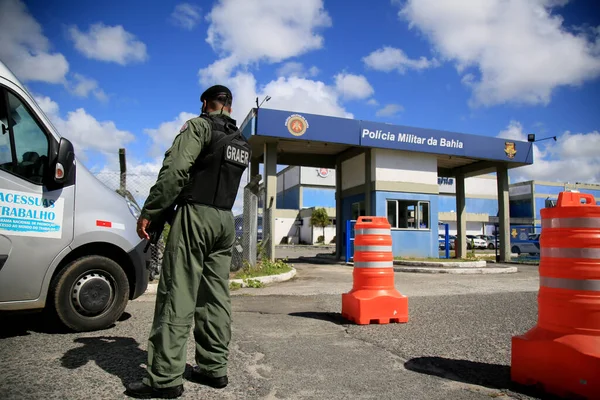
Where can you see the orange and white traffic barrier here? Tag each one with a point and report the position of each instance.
(373, 298)
(562, 352)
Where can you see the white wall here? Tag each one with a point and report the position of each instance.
(353, 172)
(473, 228)
(402, 166)
(284, 227)
(314, 176)
(329, 234)
(306, 231)
(477, 185)
(291, 177)
(310, 234)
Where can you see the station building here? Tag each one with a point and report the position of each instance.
(379, 169)
(528, 198)
(302, 189)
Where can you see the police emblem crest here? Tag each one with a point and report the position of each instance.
(183, 127)
(296, 124)
(510, 150)
(322, 172)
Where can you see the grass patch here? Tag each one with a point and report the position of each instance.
(263, 268)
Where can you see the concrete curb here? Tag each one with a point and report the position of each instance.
(440, 264)
(286, 276)
(485, 270)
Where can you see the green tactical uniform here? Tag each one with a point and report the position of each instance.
(194, 281)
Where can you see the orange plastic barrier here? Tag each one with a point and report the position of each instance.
(373, 297)
(562, 352)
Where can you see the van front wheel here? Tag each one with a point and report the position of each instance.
(91, 293)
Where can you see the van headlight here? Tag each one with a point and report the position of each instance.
(133, 208)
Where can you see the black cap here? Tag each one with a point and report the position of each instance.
(215, 91)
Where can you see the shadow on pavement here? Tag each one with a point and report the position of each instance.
(119, 356)
(334, 317)
(22, 324)
(492, 376)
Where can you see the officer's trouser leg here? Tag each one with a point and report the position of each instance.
(212, 330)
(176, 299)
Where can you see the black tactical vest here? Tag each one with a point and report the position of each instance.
(215, 176)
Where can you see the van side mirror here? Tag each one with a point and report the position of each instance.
(64, 160)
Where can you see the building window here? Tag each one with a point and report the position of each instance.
(408, 214)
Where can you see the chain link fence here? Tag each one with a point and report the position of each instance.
(248, 224)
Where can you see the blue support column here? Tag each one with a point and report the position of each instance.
(349, 240)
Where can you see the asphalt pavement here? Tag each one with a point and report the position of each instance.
(290, 342)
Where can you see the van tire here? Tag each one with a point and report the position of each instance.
(99, 276)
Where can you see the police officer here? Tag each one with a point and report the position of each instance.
(201, 173)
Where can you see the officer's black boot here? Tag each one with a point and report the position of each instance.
(217, 383)
(139, 390)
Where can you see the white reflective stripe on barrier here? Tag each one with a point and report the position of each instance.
(570, 252)
(576, 222)
(373, 264)
(570, 284)
(373, 248)
(373, 231)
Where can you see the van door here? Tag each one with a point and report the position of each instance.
(36, 216)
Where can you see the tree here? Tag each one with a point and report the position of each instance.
(320, 218)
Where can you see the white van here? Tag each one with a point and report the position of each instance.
(68, 243)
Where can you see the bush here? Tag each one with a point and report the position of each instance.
(320, 218)
(321, 239)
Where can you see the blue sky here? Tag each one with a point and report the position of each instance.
(115, 77)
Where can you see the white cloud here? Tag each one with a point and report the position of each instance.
(48, 106)
(388, 59)
(85, 131)
(109, 43)
(520, 49)
(572, 158)
(373, 102)
(293, 93)
(162, 137)
(82, 86)
(186, 15)
(25, 49)
(268, 30)
(303, 95)
(353, 87)
(297, 69)
(389, 110)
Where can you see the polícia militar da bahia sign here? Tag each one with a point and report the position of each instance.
(374, 134)
(318, 128)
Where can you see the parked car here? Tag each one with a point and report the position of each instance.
(441, 242)
(491, 241)
(531, 246)
(474, 241)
